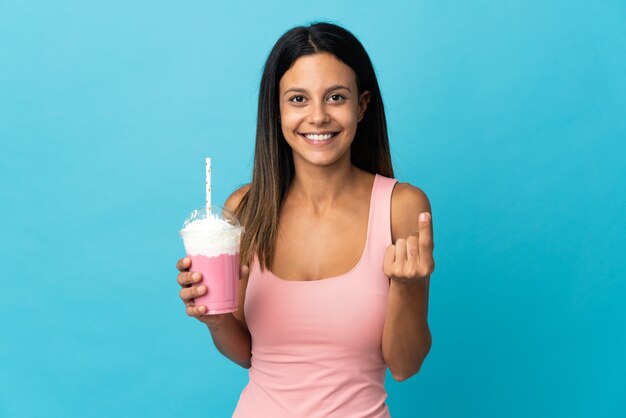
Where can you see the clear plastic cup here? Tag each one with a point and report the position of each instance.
(212, 243)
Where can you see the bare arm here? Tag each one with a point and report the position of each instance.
(229, 331)
(232, 338)
(409, 263)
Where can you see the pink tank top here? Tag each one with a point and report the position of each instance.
(317, 345)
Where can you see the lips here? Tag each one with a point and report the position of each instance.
(319, 136)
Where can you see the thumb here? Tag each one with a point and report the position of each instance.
(244, 272)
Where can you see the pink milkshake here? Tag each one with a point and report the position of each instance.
(212, 244)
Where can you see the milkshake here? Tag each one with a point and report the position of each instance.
(212, 243)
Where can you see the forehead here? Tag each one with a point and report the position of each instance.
(317, 71)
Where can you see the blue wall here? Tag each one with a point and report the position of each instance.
(510, 115)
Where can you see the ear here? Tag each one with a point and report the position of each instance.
(364, 100)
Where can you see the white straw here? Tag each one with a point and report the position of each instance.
(208, 187)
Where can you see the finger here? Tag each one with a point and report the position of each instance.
(244, 272)
(190, 293)
(196, 310)
(426, 241)
(189, 304)
(390, 255)
(412, 251)
(400, 252)
(189, 278)
(183, 264)
(397, 270)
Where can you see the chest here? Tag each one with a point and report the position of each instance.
(345, 313)
(319, 247)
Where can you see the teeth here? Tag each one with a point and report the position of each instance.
(315, 137)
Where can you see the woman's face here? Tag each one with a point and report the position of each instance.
(320, 108)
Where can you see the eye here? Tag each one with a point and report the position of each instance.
(297, 99)
(336, 98)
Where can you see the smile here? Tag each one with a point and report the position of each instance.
(320, 137)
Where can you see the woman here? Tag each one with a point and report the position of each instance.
(337, 256)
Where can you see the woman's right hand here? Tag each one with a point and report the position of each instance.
(188, 292)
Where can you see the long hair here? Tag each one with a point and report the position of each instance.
(273, 168)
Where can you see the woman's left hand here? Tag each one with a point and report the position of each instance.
(410, 260)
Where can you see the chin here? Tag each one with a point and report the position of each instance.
(323, 162)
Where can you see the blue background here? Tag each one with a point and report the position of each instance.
(509, 114)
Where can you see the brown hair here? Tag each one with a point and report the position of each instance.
(273, 168)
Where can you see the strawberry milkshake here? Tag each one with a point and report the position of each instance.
(212, 243)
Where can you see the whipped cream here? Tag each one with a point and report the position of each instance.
(210, 237)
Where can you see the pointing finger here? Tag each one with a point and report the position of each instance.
(425, 222)
(183, 264)
(426, 240)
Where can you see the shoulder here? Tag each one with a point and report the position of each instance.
(235, 198)
(405, 194)
(407, 202)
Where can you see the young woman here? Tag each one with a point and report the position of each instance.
(337, 256)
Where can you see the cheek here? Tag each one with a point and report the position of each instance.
(290, 119)
(288, 125)
(348, 119)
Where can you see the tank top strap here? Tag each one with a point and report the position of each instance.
(380, 218)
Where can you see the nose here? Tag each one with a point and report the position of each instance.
(319, 115)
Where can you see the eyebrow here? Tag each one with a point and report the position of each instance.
(301, 90)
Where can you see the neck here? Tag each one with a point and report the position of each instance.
(321, 187)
